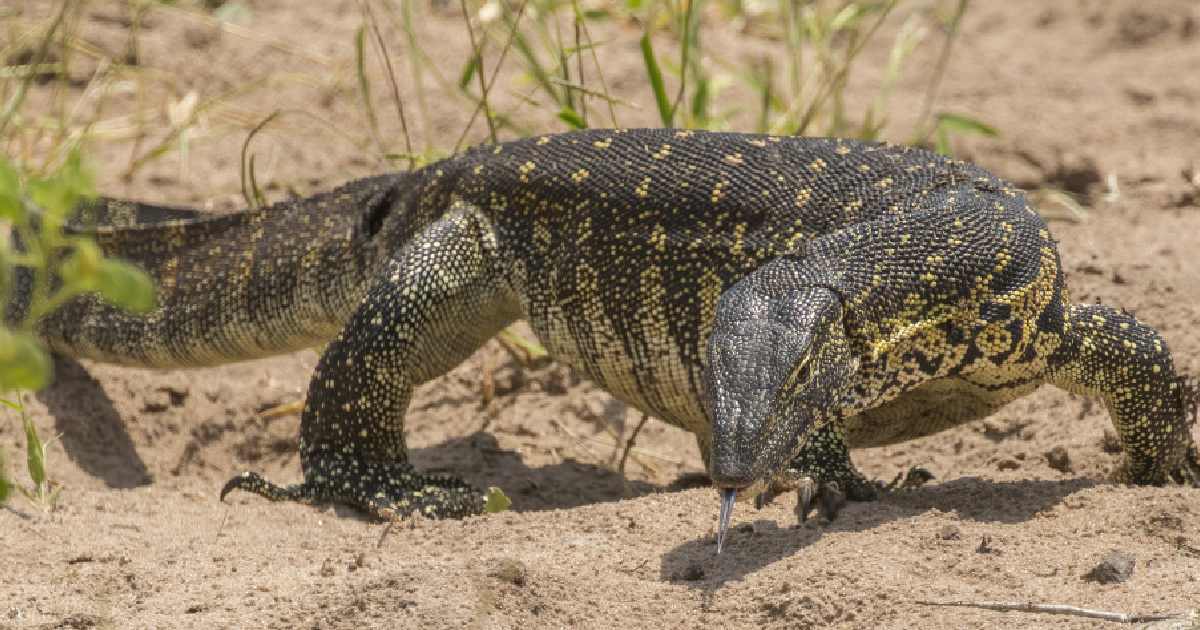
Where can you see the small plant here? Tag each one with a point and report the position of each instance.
(800, 92)
(42, 266)
(43, 263)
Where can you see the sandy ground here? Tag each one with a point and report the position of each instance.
(1096, 97)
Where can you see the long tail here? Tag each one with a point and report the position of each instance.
(231, 287)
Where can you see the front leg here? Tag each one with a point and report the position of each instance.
(431, 307)
(824, 478)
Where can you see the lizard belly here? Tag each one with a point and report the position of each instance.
(932, 407)
(645, 369)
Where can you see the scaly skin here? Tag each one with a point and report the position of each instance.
(784, 299)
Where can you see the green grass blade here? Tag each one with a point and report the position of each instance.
(364, 82)
(250, 192)
(958, 123)
(6, 484)
(656, 80)
(35, 452)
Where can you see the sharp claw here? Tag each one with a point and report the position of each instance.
(832, 499)
(728, 495)
(234, 483)
(255, 483)
(765, 498)
(806, 493)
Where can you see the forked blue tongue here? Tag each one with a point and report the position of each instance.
(727, 497)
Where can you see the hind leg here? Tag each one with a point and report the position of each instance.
(1109, 354)
(432, 305)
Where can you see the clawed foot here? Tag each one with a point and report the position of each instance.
(829, 496)
(1188, 472)
(386, 491)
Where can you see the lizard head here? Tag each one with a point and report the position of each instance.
(779, 362)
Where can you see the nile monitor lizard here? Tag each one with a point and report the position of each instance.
(783, 298)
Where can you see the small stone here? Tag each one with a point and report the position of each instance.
(949, 532)
(327, 569)
(511, 571)
(1116, 567)
(1008, 464)
(1059, 459)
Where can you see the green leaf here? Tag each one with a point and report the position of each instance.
(59, 193)
(124, 285)
(52, 197)
(572, 118)
(23, 362)
(497, 501)
(656, 80)
(957, 123)
(11, 207)
(35, 453)
(80, 269)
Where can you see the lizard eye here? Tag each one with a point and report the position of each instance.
(801, 373)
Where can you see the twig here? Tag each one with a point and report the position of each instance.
(1059, 609)
(495, 72)
(579, 87)
(386, 530)
(685, 52)
(250, 191)
(38, 59)
(391, 74)
(221, 527)
(483, 83)
(283, 409)
(525, 351)
(574, 436)
(935, 81)
(612, 113)
(628, 447)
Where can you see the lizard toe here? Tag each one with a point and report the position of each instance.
(828, 499)
(914, 478)
(383, 490)
(257, 484)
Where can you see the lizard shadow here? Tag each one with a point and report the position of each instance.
(754, 545)
(90, 428)
(480, 460)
